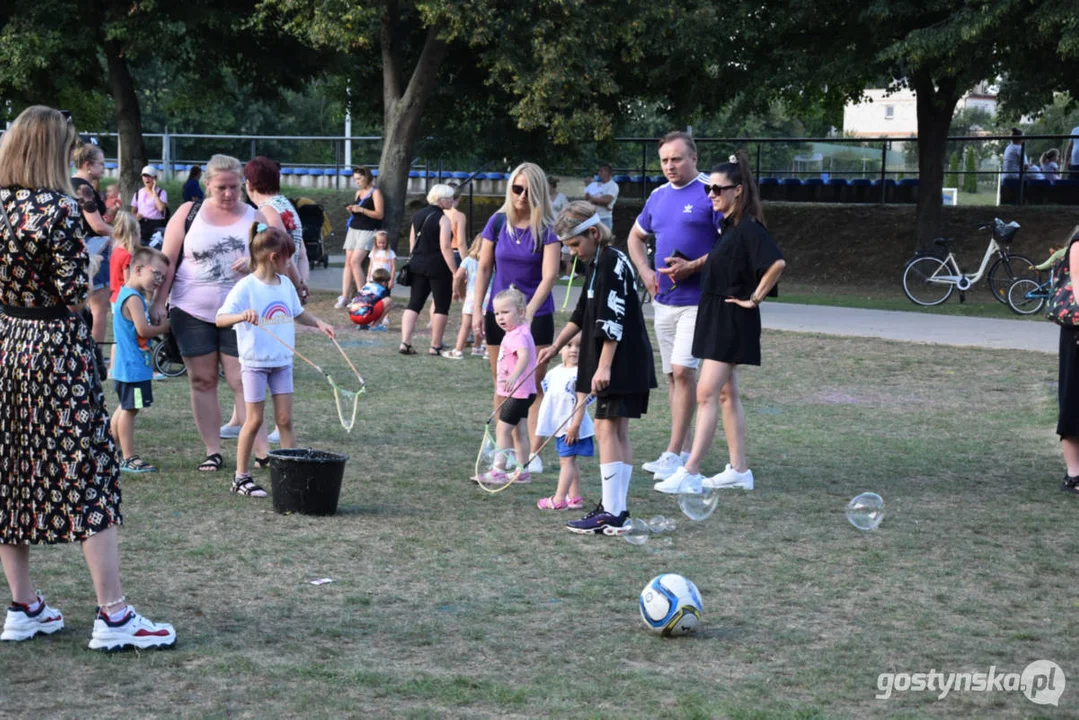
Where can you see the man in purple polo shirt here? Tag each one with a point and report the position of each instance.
(679, 214)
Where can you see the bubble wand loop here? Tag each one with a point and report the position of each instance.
(569, 287)
(488, 446)
(338, 391)
(354, 370)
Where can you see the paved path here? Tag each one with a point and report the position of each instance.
(852, 322)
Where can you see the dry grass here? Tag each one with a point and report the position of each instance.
(447, 602)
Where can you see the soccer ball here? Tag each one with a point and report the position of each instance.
(671, 605)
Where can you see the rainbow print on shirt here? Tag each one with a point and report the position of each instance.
(276, 313)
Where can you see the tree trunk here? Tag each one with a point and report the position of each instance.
(128, 119)
(936, 105)
(403, 111)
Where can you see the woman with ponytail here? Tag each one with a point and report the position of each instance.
(739, 272)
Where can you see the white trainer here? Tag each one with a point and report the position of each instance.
(21, 624)
(663, 460)
(730, 478)
(680, 482)
(274, 437)
(665, 466)
(341, 302)
(230, 432)
(134, 631)
(535, 466)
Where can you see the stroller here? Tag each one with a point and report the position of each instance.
(316, 228)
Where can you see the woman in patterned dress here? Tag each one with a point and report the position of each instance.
(59, 478)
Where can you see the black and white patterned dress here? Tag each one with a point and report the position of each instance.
(59, 478)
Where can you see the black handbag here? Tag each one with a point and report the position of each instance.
(404, 275)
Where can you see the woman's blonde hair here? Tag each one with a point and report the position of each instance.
(223, 163)
(125, 231)
(576, 213)
(36, 151)
(515, 296)
(539, 199)
(439, 192)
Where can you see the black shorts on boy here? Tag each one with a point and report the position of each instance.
(135, 395)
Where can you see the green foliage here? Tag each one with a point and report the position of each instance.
(952, 178)
(970, 177)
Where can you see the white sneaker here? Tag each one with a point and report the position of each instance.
(730, 478)
(230, 432)
(680, 482)
(666, 463)
(20, 624)
(134, 631)
(274, 437)
(535, 466)
(341, 302)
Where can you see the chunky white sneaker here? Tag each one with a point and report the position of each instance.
(21, 624)
(341, 302)
(665, 466)
(663, 460)
(274, 437)
(535, 466)
(730, 478)
(680, 482)
(134, 631)
(230, 432)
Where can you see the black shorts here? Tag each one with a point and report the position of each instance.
(135, 395)
(197, 337)
(515, 410)
(613, 407)
(542, 330)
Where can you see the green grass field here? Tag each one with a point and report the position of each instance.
(449, 602)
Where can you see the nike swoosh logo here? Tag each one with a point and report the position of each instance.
(609, 477)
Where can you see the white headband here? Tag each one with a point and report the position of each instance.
(590, 222)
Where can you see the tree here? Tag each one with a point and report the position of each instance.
(970, 177)
(952, 178)
(829, 50)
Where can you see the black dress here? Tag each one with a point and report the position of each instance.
(59, 479)
(727, 332)
(610, 309)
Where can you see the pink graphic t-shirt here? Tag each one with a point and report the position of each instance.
(518, 340)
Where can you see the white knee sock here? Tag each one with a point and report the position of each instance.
(627, 473)
(611, 477)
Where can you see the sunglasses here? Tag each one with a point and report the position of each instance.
(519, 189)
(717, 189)
(66, 115)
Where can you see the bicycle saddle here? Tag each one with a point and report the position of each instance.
(1004, 232)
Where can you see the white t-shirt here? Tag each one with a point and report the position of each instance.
(596, 188)
(559, 401)
(558, 202)
(1013, 160)
(1075, 147)
(278, 306)
(382, 259)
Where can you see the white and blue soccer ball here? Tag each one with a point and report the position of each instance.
(671, 605)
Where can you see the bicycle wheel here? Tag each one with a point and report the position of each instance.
(923, 283)
(1007, 270)
(164, 364)
(1025, 296)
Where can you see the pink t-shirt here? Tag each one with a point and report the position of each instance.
(517, 340)
(143, 203)
(204, 278)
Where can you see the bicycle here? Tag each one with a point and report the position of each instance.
(1026, 296)
(929, 279)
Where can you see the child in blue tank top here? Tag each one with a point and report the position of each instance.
(132, 368)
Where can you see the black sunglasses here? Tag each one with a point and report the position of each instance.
(519, 189)
(66, 115)
(717, 189)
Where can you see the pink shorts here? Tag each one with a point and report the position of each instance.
(257, 379)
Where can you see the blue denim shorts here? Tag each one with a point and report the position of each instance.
(582, 448)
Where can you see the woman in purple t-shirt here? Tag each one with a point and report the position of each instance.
(522, 250)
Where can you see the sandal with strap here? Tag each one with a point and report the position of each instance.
(435, 351)
(246, 486)
(549, 503)
(406, 349)
(262, 463)
(135, 464)
(1070, 484)
(574, 503)
(212, 463)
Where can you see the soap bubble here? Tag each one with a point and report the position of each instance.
(699, 505)
(866, 511)
(638, 531)
(660, 524)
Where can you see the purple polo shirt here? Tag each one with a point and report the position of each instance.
(681, 219)
(517, 263)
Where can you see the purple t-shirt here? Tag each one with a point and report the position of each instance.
(681, 219)
(517, 263)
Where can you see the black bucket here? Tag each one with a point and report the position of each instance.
(306, 481)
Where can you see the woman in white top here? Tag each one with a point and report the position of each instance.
(206, 261)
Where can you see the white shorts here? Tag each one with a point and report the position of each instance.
(674, 331)
(470, 301)
(360, 240)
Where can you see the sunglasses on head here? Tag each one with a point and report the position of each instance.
(717, 189)
(519, 189)
(66, 115)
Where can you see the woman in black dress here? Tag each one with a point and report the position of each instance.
(59, 478)
(1068, 386)
(739, 272)
(431, 264)
(615, 363)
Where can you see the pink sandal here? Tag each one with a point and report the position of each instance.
(574, 503)
(548, 503)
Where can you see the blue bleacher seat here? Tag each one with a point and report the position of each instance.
(287, 171)
(768, 181)
(457, 175)
(621, 178)
(790, 181)
(414, 174)
(656, 179)
(110, 166)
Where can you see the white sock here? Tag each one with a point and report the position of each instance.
(118, 615)
(610, 476)
(627, 473)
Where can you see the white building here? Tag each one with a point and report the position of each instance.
(896, 114)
